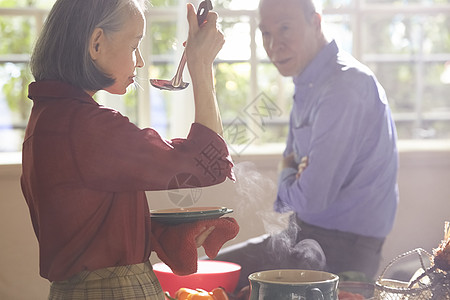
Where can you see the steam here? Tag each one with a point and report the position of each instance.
(256, 194)
(290, 254)
(136, 84)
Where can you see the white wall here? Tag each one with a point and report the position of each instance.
(424, 183)
(19, 271)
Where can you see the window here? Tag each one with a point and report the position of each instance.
(406, 43)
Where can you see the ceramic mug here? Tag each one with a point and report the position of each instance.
(292, 284)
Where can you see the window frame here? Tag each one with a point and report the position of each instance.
(356, 12)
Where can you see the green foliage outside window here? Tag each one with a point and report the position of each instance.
(17, 36)
(408, 53)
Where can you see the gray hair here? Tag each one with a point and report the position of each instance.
(62, 49)
(307, 7)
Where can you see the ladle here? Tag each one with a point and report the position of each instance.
(177, 82)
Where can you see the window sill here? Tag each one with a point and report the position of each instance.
(423, 145)
(10, 158)
(404, 146)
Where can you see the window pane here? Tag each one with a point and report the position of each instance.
(398, 80)
(164, 3)
(14, 104)
(27, 3)
(408, 50)
(406, 34)
(417, 95)
(279, 92)
(410, 64)
(237, 4)
(237, 34)
(161, 100)
(328, 4)
(162, 36)
(232, 87)
(339, 27)
(17, 34)
(260, 52)
(257, 120)
(435, 90)
(437, 33)
(163, 63)
(276, 87)
(403, 2)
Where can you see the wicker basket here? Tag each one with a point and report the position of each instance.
(435, 287)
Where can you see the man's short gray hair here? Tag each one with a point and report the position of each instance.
(307, 6)
(310, 6)
(62, 49)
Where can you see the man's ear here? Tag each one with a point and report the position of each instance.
(317, 21)
(96, 43)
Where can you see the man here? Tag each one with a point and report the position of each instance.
(339, 171)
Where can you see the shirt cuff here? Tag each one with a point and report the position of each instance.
(280, 206)
(205, 135)
(286, 172)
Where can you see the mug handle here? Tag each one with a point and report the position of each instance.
(314, 293)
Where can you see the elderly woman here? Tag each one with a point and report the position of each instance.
(86, 167)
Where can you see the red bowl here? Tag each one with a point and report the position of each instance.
(210, 275)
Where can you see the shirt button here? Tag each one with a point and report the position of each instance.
(311, 85)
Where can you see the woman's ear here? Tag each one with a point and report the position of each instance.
(96, 43)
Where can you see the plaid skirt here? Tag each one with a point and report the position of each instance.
(124, 282)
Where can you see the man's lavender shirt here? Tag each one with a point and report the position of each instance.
(342, 122)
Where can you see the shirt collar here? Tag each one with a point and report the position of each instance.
(317, 65)
(53, 89)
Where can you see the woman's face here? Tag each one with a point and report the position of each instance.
(119, 55)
